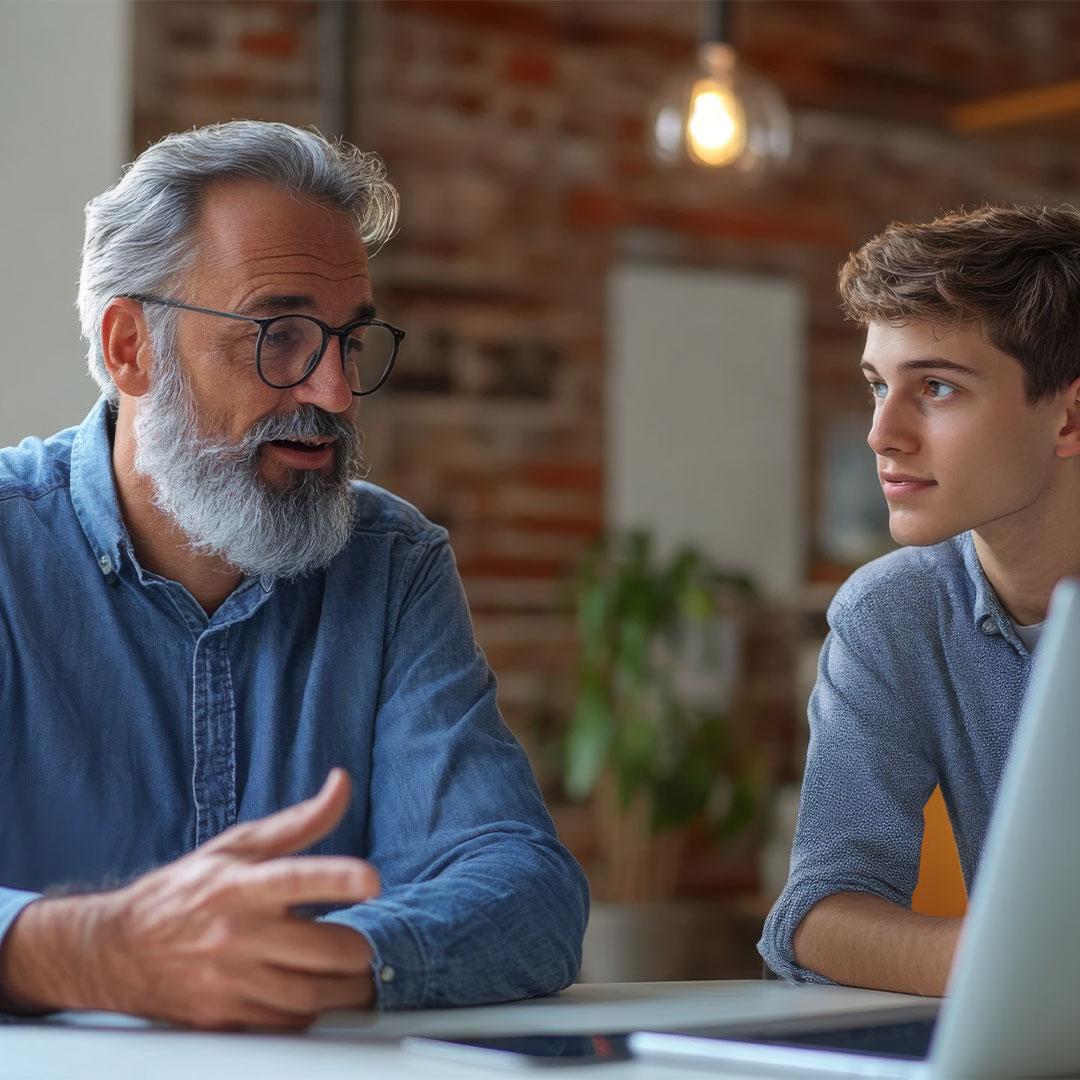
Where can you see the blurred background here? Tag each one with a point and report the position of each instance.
(607, 336)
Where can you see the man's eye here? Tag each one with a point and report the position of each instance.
(877, 390)
(938, 389)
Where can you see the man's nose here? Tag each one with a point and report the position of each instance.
(326, 386)
(892, 430)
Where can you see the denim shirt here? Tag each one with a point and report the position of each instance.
(920, 682)
(134, 727)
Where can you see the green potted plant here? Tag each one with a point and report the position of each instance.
(650, 736)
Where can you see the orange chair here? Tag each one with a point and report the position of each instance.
(940, 890)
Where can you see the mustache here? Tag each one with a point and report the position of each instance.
(304, 422)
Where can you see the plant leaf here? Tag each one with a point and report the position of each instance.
(587, 743)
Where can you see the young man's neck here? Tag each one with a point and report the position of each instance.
(1026, 554)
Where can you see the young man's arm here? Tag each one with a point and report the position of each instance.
(869, 771)
(863, 940)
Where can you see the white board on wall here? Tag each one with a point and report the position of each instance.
(704, 415)
(65, 90)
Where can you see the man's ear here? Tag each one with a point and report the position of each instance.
(125, 346)
(1068, 440)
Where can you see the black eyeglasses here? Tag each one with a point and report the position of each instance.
(289, 347)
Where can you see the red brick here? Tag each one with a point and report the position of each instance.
(587, 528)
(496, 566)
(579, 476)
(592, 209)
(279, 46)
(226, 84)
(529, 68)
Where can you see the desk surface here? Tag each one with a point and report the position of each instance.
(103, 1046)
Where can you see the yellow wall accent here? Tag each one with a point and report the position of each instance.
(940, 890)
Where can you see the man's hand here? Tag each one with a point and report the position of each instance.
(210, 939)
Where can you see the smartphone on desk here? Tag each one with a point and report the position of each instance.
(523, 1051)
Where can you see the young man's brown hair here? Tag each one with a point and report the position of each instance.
(1014, 269)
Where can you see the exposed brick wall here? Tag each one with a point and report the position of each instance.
(516, 133)
(199, 62)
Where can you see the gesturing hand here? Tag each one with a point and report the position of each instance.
(208, 940)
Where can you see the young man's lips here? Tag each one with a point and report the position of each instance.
(897, 485)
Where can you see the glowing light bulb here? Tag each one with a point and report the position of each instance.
(723, 116)
(716, 126)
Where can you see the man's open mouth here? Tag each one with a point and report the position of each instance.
(311, 446)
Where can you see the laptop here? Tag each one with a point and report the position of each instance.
(1012, 1008)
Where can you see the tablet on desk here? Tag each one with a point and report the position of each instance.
(523, 1051)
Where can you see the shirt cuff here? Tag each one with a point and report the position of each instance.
(12, 902)
(777, 940)
(399, 963)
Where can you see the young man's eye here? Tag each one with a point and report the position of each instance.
(877, 390)
(938, 389)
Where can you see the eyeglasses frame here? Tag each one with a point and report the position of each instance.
(340, 332)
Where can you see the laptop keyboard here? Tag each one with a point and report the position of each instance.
(908, 1040)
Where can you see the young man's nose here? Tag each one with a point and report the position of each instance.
(892, 430)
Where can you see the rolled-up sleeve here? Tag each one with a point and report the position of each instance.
(480, 902)
(868, 776)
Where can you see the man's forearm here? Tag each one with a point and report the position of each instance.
(863, 940)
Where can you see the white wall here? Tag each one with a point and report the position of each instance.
(65, 102)
(704, 415)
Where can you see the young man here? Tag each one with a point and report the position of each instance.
(202, 612)
(973, 365)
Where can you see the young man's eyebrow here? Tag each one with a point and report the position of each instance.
(928, 363)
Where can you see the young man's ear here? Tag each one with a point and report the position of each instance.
(1068, 440)
(125, 346)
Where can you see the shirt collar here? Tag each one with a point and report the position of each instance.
(93, 492)
(988, 614)
(93, 487)
(986, 603)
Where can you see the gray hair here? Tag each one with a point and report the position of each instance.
(138, 232)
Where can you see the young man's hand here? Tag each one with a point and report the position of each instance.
(208, 940)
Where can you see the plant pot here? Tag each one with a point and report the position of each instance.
(635, 866)
(661, 941)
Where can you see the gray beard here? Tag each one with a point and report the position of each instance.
(212, 490)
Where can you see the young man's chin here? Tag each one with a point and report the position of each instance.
(911, 532)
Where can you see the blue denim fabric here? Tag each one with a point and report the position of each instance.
(920, 682)
(133, 728)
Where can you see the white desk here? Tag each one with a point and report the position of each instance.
(359, 1046)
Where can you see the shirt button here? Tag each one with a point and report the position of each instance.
(386, 973)
(989, 625)
(106, 564)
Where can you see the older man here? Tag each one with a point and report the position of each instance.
(202, 612)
